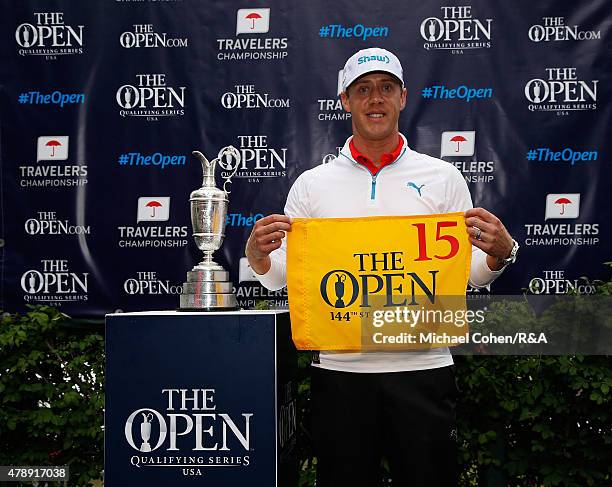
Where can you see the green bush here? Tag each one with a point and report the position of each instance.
(51, 393)
(521, 421)
(535, 421)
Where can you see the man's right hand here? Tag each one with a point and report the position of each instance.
(266, 236)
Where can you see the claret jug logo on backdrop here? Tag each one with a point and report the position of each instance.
(252, 21)
(147, 283)
(258, 160)
(562, 206)
(456, 30)
(45, 175)
(48, 223)
(555, 282)
(151, 97)
(189, 433)
(153, 209)
(247, 97)
(561, 92)
(49, 36)
(553, 29)
(54, 284)
(462, 144)
(146, 36)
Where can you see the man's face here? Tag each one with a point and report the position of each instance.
(375, 102)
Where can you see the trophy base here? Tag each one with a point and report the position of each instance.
(205, 310)
(208, 302)
(208, 289)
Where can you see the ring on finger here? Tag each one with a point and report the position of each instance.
(478, 233)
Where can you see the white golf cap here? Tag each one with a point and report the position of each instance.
(370, 60)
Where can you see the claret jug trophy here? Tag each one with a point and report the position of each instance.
(208, 287)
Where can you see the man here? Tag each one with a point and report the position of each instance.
(365, 405)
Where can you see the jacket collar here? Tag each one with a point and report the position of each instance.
(345, 152)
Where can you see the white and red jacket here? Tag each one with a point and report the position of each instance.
(414, 184)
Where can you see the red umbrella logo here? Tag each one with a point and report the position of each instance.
(53, 144)
(563, 202)
(253, 16)
(458, 139)
(153, 204)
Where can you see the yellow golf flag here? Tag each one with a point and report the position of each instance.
(376, 283)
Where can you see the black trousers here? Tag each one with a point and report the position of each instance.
(407, 416)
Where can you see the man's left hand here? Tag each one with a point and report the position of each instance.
(488, 233)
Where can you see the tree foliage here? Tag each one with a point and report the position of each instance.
(51, 393)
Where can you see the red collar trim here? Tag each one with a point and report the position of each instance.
(385, 159)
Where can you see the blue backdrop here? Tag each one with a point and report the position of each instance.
(103, 101)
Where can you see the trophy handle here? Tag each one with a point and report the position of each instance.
(233, 152)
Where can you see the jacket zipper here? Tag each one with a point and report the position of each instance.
(374, 176)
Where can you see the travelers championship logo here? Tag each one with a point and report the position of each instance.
(251, 21)
(153, 209)
(462, 144)
(54, 284)
(247, 97)
(48, 223)
(562, 206)
(52, 148)
(555, 282)
(331, 108)
(189, 432)
(458, 144)
(146, 36)
(147, 283)
(553, 29)
(151, 97)
(258, 160)
(43, 174)
(49, 36)
(561, 92)
(456, 30)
